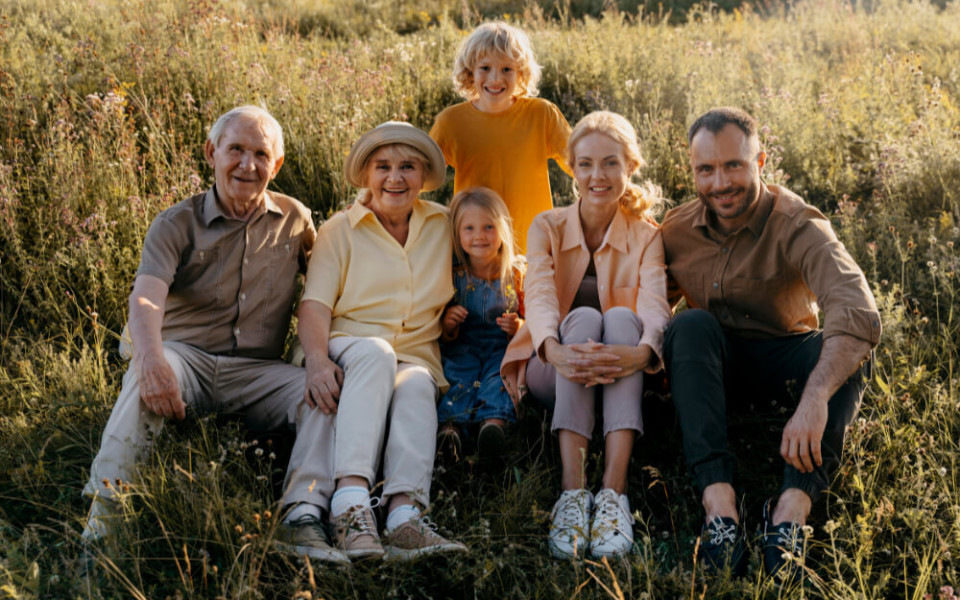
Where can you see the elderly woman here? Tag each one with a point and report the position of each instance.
(369, 322)
(596, 310)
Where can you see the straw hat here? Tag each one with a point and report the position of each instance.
(396, 132)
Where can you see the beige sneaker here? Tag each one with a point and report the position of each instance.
(306, 537)
(417, 537)
(356, 532)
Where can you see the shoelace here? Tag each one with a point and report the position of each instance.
(607, 510)
(362, 519)
(570, 510)
(788, 539)
(721, 532)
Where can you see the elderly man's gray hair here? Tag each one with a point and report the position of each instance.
(254, 113)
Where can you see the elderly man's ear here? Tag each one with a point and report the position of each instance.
(276, 167)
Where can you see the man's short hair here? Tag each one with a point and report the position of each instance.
(716, 119)
(254, 113)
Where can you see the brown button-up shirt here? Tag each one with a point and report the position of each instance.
(232, 283)
(770, 277)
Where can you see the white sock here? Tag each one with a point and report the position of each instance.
(301, 510)
(401, 515)
(348, 497)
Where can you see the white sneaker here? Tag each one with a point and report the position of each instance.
(611, 529)
(570, 524)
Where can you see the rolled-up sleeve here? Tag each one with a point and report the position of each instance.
(836, 280)
(652, 306)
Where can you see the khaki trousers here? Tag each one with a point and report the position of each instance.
(268, 394)
(386, 409)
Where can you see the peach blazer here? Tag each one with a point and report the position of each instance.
(630, 273)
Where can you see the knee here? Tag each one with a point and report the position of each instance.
(372, 355)
(621, 326)
(581, 324)
(692, 328)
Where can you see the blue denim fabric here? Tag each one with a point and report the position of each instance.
(471, 363)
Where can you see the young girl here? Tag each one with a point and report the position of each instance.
(597, 298)
(502, 137)
(486, 313)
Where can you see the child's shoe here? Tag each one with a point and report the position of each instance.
(570, 524)
(491, 441)
(417, 537)
(611, 528)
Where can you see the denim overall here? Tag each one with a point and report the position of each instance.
(471, 363)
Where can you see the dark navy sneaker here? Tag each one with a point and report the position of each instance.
(723, 545)
(783, 546)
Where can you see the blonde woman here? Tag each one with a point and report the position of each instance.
(596, 311)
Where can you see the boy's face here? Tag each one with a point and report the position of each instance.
(495, 79)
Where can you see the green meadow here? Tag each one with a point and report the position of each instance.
(103, 109)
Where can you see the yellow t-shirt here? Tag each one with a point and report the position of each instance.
(506, 152)
(377, 288)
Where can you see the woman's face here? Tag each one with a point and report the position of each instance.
(393, 180)
(600, 169)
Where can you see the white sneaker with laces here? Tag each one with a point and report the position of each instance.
(611, 529)
(570, 524)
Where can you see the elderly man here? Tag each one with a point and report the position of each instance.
(209, 313)
(755, 262)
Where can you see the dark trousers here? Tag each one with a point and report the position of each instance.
(710, 370)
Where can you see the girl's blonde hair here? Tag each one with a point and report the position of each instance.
(496, 37)
(490, 202)
(642, 199)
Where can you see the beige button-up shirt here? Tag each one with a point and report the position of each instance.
(630, 273)
(375, 287)
(233, 283)
(771, 277)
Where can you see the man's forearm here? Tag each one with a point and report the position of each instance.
(840, 357)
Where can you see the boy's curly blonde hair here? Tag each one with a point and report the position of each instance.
(490, 38)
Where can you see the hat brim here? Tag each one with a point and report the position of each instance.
(396, 132)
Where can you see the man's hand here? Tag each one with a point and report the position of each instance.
(159, 389)
(324, 379)
(452, 317)
(509, 322)
(800, 446)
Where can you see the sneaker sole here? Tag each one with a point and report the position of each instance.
(560, 553)
(400, 554)
(334, 557)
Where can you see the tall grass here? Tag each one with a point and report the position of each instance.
(103, 108)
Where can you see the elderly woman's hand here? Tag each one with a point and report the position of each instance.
(324, 378)
(581, 363)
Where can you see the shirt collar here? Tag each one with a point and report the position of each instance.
(213, 211)
(615, 237)
(422, 211)
(759, 213)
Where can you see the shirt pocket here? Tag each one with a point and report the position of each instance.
(199, 278)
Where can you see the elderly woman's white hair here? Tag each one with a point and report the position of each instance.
(254, 113)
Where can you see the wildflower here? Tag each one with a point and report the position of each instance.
(831, 526)
(807, 530)
(258, 451)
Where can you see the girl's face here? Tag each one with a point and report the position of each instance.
(495, 81)
(601, 171)
(478, 236)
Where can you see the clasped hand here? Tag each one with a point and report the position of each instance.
(594, 363)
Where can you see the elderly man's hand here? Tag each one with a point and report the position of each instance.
(324, 379)
(159, 389)
(800, 445)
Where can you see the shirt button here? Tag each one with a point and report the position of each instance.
(236, 331)
(726, 315)
(243, 296)
(716, 285)
(725, 250)
(246, 262)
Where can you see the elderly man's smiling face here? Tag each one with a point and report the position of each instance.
(244, 161)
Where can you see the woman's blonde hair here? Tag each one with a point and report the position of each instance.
(496, 37)
(639, 199)
(492, 204)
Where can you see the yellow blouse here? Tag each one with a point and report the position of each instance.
(375, 287)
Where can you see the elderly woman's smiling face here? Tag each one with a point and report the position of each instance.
(394, 176)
